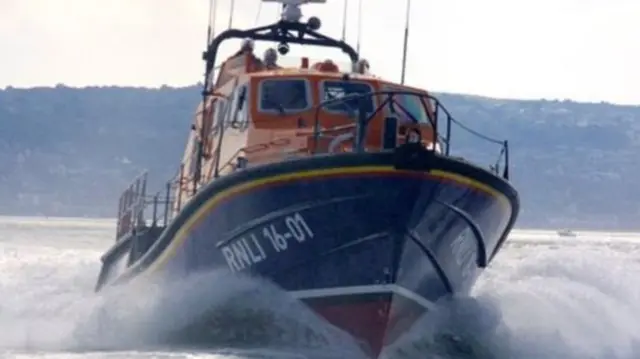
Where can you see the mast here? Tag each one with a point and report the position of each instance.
(344, 20)
(406, 42)
(209, 25)
(255, 22)
(211, 29)
(232, 6)
(208, 78)
(359, 26)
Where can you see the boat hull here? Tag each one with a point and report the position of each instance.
(368, 241)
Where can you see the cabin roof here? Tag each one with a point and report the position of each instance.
(292, 72)
(312, 72)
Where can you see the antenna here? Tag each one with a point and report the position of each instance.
(255, 23)
(344, 20)
(232, 6)
(406, 41)
(359, 25)
(291, 8)
(211, 30)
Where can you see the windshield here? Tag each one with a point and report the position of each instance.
(413, 105)
(284, 95)
(337, 89)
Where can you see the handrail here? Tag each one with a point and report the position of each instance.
(364, 119)
(282, 32)
(235, 155)
(161, 205)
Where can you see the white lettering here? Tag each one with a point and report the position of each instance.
(278, 241)
(240, 252)
(303, 223)
(254, 239)
(230, 258)
(298, 227)
(294, 229)
(282, 234)
(255, 258)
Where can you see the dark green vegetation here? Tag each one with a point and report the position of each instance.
(69, 152)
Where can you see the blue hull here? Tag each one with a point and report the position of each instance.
(368, 245)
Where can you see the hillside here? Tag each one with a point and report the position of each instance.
(69, 152)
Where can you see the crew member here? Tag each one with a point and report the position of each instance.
(270, 59)
(362, 66)
(246, 47)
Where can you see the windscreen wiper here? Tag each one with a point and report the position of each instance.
(276, 104)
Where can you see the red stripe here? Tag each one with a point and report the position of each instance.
(375, 322)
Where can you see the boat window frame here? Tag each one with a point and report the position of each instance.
(321, 85)
(308, 95)
(232, 111)
(421, 99)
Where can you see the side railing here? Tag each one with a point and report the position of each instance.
(139, 211)
(445, 129)
(501, 164)
(236, 161)
(442, 138)
(131, 206)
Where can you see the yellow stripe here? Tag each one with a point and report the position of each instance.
(183, 232)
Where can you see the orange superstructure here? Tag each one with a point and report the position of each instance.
(260, 115)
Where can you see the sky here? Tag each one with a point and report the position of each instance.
(584, 50)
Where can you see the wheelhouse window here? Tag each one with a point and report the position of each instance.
(284, 95)
(332, 90)
(236, 113)
(413, 104)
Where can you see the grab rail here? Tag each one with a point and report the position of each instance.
(363, 119)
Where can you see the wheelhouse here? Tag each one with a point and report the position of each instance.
(297, 102)
(259, 112)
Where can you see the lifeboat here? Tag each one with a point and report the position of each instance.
(340, 187)
(565, 232)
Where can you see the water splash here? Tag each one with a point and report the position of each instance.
(48, 303)
(541, 299)
(214, 309)
(564, 303)
(42, 283)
